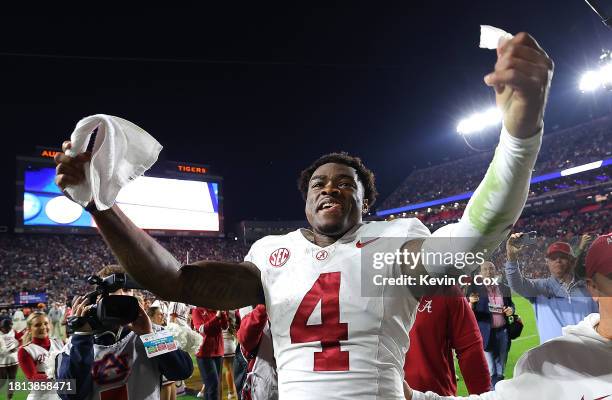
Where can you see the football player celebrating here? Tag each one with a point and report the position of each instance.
(330, 341)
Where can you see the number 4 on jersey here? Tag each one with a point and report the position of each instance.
(330, 331)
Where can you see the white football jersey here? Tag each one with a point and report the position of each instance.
(330, 341)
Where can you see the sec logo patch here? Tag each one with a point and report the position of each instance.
(279, 257)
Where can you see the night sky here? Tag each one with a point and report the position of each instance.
(258, 92)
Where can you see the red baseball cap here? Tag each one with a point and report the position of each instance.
(599, 256)
(560, 247)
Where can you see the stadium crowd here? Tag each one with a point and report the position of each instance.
(566, 225)
(57, 265)
(60, 264)
(42, 263)
(578, 145)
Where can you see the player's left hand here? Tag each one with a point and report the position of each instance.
(142, 325)
(521, 80)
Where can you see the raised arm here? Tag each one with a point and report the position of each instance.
(529, 288)
(218, 285)
(211, 284)
(521, 80)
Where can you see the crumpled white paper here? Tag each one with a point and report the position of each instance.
(491, 36)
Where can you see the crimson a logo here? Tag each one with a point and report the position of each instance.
(321, 255)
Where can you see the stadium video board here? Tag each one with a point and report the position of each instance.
(24, 298)
(152, 203)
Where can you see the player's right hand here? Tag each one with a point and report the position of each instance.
(70, 171)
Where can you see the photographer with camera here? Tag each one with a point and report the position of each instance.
(560, 300)
(107, 354)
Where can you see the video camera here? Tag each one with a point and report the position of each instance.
(110, 311)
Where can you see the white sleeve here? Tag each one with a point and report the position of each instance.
(255, 257)
(496, 204)
(416, 395)
(249, 256)
(254, 251)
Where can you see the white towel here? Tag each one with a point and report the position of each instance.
(122, 152)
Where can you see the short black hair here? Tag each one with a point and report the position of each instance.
(365, 175)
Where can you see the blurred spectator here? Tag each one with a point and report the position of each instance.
(19, 323)
(156, 316)
(445, 323)
(56, 316)
(559, 300)
(491, 305)
(9, 343)
(210, 324)
(255, 340)
(229, 351)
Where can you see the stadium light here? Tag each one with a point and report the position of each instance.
(590, 81)
(605, 74)
(600, 78)
(479, 121)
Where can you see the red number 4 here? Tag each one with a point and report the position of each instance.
(330, 331)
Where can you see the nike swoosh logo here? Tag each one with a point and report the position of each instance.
(361, 244)
(599, 398)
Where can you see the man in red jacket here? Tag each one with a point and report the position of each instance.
(444, 323)
(210, 323)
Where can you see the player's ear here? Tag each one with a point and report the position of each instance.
(592, 288)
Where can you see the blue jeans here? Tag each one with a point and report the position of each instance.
(210, 372)
(496, 354)
(240, 367)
